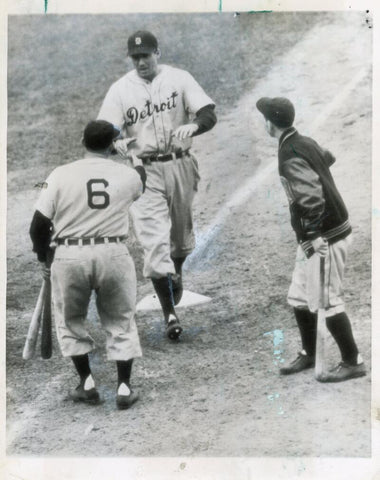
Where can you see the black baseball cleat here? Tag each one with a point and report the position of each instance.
(302, 362)
(344, 371)
(90, 396)
(125, 397)
(177, 288)
(173, 328)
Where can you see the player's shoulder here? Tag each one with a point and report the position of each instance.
(171, 71)
(60, 173)
(308, 145)
(120, 83)
(64, 168)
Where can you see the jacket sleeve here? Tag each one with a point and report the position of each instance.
(329, 158)
(306, 195)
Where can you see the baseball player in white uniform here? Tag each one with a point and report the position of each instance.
(82, 211)
(158, 109)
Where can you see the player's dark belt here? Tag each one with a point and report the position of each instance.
(165, 158)
(89, 241)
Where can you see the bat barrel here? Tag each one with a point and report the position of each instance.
(31, 337)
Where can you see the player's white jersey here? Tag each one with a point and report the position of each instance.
(151, 111)
(90, 198)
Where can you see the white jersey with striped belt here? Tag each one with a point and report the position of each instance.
(90, 198)
(151, 111)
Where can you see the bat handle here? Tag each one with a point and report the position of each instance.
(46, 334)
(320, 354)
(322, 264)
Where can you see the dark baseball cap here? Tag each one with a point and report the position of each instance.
(99, 134)
(280, 111)
(142, 42)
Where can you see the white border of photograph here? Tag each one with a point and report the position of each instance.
(195, 468)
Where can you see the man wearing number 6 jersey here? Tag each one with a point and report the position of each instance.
(82, 212)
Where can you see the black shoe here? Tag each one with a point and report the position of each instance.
(302, 362)
(125, 401)
(86, 396)
(177, 288)
(173, 328)
(344, 371)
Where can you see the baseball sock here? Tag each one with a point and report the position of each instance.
(82, 366)
(124, 369)
(340, 328)
(178, 262)
(307, 325)
(163, 288)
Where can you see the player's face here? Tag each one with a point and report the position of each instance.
(146, 65)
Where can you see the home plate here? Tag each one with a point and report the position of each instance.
(151, 302)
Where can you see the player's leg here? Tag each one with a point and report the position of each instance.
(153, 233)
(177, 285)
(306, 320)
(337, 320)
(183, 178)
(152, 225)
(86, 390)
(71, 295)
(164, 289)
(115, 286)
(125, 396)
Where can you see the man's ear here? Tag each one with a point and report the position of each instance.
(158, 53)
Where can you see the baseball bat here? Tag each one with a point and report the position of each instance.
(46, 333)
(320, 354)
(31, 337)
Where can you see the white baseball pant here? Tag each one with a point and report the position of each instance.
(304, 289)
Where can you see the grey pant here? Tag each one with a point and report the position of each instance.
(162, 216)
(109, 270)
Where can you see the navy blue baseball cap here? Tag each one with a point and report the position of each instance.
(142, 42)
(99, 134)
(279, 110)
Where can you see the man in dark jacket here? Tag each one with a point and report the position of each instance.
(320, 220)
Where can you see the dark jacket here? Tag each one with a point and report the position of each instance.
(316, 207)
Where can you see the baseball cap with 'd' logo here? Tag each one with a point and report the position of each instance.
(142, 42)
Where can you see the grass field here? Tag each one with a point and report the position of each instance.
(61, 67)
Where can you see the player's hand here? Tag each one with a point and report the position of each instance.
(320, 246)
(122, 146)
(185, 131)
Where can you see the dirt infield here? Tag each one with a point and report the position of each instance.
(217, 392)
